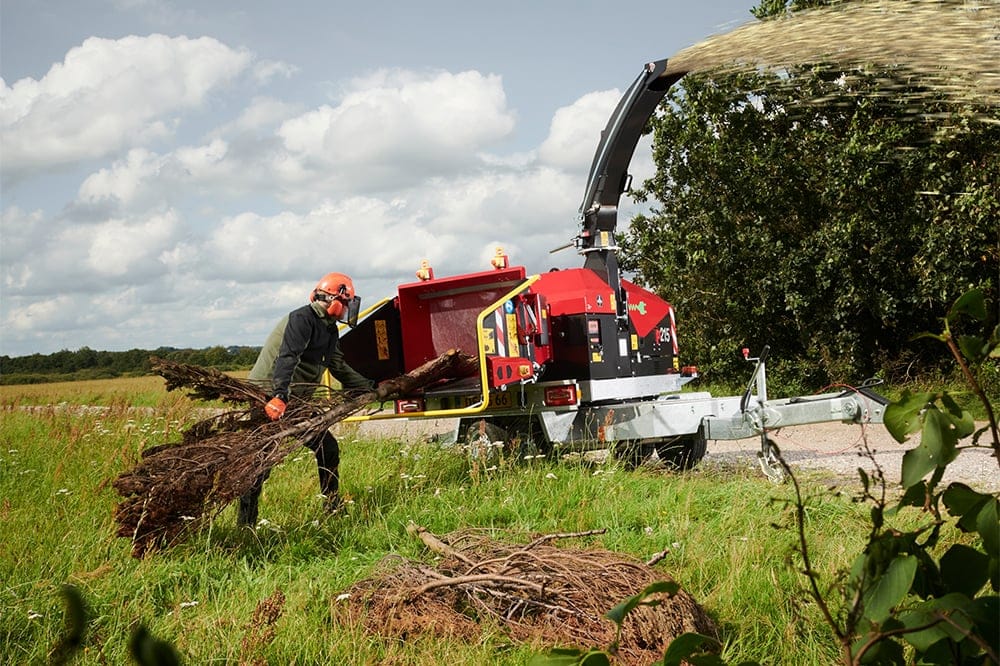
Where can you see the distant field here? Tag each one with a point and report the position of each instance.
(147, 391)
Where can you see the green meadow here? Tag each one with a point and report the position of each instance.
(729, 532)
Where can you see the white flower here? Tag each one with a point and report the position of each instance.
(62, 491)
(188, 604)
(343, 597)
(550, 475)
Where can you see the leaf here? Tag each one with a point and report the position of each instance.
(557, 657)
(890, 588)
(882, 652)
(962, 421)
(964, 503)
(936, 448)
(973, 347)
(686, 646)
(917, 463)
(960, 610)
(902, 417)
(595, 658)
(964, 569)
(988, 526)
(972, 303)
(915, 495)
(618, 613)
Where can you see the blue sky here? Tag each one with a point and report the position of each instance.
(182, 173)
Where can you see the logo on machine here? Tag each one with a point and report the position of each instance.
(639, 307)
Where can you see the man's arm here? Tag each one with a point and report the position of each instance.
(348, 377)
(293, 343)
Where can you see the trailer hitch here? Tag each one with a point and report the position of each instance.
(767, 457)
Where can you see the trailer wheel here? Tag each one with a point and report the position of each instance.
(485, 441)
(489, 442)
(631, 453)
(683, 452)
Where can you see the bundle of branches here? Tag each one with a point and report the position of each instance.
(175, 487)
(534, 591)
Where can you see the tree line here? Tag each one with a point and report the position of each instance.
(87, 363)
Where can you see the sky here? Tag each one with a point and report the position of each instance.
(180, 173)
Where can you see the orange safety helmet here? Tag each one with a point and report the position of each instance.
(342, 303)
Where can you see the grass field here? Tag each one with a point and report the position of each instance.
(57, 462)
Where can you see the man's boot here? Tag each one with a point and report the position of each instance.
(328, 463)
(249, 504)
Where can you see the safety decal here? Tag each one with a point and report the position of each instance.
(382, 339)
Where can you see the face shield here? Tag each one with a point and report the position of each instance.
(350, 311)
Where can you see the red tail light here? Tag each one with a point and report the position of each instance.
(409, 406)
(560, 396)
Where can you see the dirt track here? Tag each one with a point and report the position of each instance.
(833, 447)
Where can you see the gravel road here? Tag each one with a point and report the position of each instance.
(829, 447)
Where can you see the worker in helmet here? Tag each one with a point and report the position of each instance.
(301, 347)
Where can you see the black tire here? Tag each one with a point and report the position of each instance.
(485, 441)
(491, 441)
(631, 453)
(683, 452)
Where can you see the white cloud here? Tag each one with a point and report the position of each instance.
(265, 71)
(90, 259)
(394, 126)
(261, 114)
(108, 94)
(576, 130)
(123, 179)
(185, 247)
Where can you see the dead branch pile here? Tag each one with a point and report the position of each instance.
(175, 487)
(536, 592)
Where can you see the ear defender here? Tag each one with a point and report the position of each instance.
(335, 308)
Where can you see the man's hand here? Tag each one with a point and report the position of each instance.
(275, 408)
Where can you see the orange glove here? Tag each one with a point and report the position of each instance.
(275, 408)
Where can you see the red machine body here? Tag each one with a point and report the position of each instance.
(578, 358)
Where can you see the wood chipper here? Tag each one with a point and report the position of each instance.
(580, 358)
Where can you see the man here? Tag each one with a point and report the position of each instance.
(291, 363)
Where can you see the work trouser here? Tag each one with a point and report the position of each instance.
(327, 461)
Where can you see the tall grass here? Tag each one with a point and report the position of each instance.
(56, 465)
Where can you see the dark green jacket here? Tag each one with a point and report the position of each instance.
(302, 345)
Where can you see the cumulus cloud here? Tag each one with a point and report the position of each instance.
(107, 95)
(575, 131)
(265, 71)
(87, 259)
(208, 242)
(392, 126)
